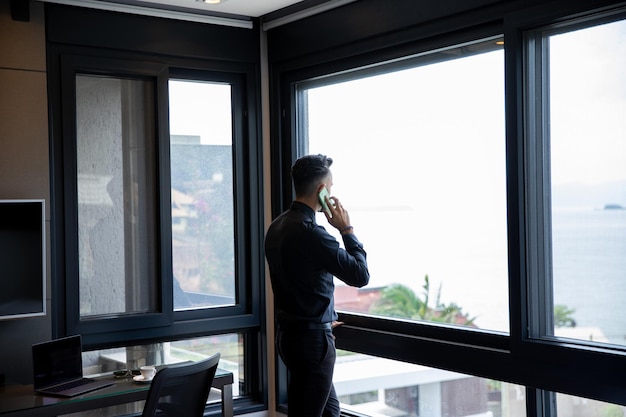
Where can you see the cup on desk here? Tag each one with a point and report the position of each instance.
(148, 372)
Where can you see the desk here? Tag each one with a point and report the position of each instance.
(21, 400)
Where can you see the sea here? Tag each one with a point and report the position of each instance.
(589, 267)
(466, 262)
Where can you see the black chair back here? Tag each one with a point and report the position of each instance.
(181, 390)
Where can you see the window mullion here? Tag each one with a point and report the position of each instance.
(540, 403)
(539, 282)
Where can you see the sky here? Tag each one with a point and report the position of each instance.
(588, 105)
(202, 109)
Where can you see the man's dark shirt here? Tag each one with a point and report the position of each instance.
(303, 258)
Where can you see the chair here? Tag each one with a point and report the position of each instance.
(181, 390)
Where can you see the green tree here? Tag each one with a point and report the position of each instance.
(398, 300)
(563, 316)
(612, 410)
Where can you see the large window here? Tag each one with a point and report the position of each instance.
(155, 175)
(587, 157)
(135, 271)
(420, 165)
(117, 214)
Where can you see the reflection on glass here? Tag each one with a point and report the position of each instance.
(420, 165)
(377, 386)
(115, 183)
(202, 194)
(230, 347)
(131, 358)
(588, 181)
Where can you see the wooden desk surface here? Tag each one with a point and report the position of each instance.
(21, 400)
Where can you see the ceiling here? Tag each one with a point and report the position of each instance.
(239, 13)
(251, 8)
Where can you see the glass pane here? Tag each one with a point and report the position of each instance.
(420, 165)
(569, 406)
(588, 181)
(230, 347)
(131, 358)
(116, 188)
(383, 387)
(203, 242)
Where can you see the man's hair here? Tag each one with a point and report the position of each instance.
(307, 171)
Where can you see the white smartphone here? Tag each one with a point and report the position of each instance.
(322, 197)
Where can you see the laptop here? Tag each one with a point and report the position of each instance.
(58, 368)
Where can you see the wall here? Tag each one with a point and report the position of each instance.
(24, 164)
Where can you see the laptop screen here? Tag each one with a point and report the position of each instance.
(57, 361)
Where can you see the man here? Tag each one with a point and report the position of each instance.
(303, 258)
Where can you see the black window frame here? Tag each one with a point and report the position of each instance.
(543, 365)
(159, 73)
(71, 67)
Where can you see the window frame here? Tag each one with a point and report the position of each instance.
(543, 365)
(293, 82)
(72, 66)
(238, 101)
(246, 312)
(537, 141)
(245, 317)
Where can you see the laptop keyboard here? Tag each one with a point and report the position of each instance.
(69, 385)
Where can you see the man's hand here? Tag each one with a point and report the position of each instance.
(340, 219)
(335, 324)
